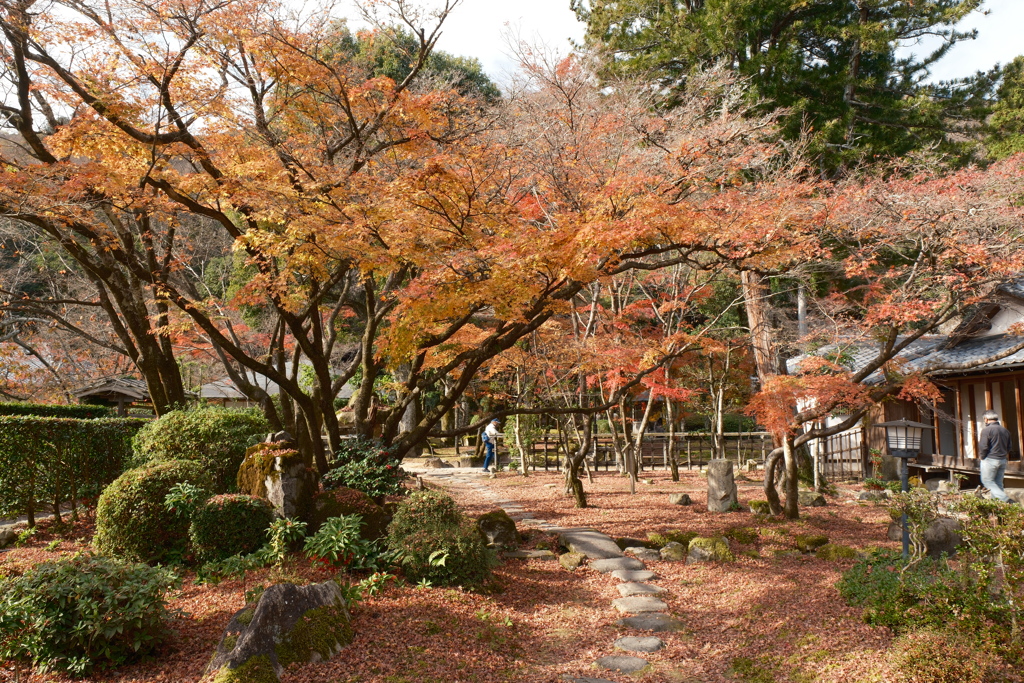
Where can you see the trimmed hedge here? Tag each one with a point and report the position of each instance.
(60, 460)
(230, 524)
(132, 519)
(76, 412)
(215, 437)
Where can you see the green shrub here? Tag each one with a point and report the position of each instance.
(215, 437)
(345, 501)
(83, 612)
(363, 465)
(132, 519)
(230, 524)
(76, 412)
(59, 460)
(338, 543)
(434, 542)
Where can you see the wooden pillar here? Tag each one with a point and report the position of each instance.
(937, 441)
(962, 420)
(1020, 415)
(971, 401)
(989, 404)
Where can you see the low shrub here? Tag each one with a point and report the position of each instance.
(229, 524)
(832, 552)
(338, 543)
(75, 411)
(363, 465)
(215, 437)
(345, 501)
(133, 521)
(83, 612)
(434, 542)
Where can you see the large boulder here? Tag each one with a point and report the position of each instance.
(289, 624)
(679, 499)
(722, 495)
(7, 536)
(811, 499)
(673, 552)
(942, 536)
(499, 530)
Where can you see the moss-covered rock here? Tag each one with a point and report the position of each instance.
(258, 466)
(833, 552)
(673, 552)
(683, 538)
(498, 530)
(709, 550)
(742, 534)
(760, 507)
(808, 543)
(288, 624)
(571, 561)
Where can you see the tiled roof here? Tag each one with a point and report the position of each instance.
(930, 352)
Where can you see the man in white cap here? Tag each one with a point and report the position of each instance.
(490, 440)
(994, 449)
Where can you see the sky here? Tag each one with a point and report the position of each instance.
(476, 28)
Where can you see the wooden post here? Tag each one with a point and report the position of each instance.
(962, 420)
(1020, 416)
(689, 463)
(971, 400)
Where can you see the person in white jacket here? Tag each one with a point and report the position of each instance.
(490, 441)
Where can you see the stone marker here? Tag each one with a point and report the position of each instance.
(721, 486)
(634, 644)
(679, 499)
(621, 663)
(609, 565)
(634, 574)
(593, 544)
(638, 604)
(658, 623)
(288, 624)
(633, 588)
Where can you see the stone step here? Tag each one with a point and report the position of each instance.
(651, 622)
(584, 679)
(638, 604)
(615, 563)
(634, 644)
(622, 663)
(529, 555)
(593, 544)
(634, 574)
(633, 588)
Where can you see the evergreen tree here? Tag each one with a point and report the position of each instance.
(834, 65)
(1007, 122)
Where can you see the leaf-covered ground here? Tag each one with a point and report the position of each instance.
(767, 617)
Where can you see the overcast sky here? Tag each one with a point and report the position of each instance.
(475, 29)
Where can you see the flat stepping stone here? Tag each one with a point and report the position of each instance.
(616, 563)
(634, 574)
(644, 554)
(651, 622)
(639, 603)
(530, 555)
(634, 644)
(621, 663)
(633, 588)
(593, 544)
(574, 679)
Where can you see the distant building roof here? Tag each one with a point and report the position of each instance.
(115, 387)
(227, 390)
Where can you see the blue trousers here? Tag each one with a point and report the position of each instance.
(488, 453)
(992, 471)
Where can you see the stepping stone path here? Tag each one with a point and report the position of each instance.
(647, 613)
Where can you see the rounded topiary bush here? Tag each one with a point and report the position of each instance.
(345, 501)
(215, 437)
(436, 543)
(230, 524)
(132, 519)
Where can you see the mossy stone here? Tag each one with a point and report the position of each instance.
(571, 561)
(683, 538)
(704, 549)
(760, 507)
(742, 534)
(255, 670)
(258, 464)
(808, 543)
(317, 636)
(834, 551)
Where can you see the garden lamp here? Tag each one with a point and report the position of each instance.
(904, 440)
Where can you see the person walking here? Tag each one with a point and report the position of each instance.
(994, 449)
(490, 441)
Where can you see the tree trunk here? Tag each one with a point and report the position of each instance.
(673, 461)
(792, 508)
